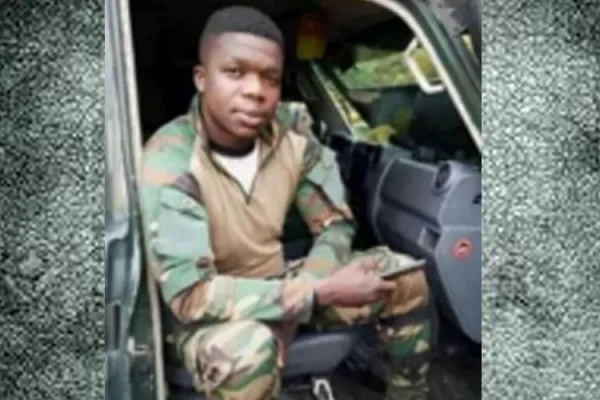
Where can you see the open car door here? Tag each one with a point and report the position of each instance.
(129, 345)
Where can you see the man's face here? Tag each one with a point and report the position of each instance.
(240, 82)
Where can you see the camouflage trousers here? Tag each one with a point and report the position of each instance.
(239, 360)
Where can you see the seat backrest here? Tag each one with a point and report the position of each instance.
(437, 124)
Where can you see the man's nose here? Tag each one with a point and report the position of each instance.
(253, 86)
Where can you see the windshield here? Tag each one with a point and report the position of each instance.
(394, 107)
(377, 69)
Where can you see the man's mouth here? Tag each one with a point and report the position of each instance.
(251, 119)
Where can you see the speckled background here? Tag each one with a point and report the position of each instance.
(542, 201)
(51, 200)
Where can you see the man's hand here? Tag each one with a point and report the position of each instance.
(284, 334)
(355, 285)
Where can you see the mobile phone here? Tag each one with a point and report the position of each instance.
(392, 270)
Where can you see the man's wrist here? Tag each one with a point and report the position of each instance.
(323, 292)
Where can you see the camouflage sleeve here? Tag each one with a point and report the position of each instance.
(321, 200)
(179, 248)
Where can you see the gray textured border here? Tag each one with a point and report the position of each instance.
(542, 205)
(51, 200)
(542, 201)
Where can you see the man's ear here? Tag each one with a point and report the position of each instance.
(200, 78)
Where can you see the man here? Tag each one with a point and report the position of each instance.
(217, 184)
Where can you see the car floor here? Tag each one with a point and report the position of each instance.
(447, 380)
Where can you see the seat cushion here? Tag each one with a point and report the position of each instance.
(318, 353)
(315, 354)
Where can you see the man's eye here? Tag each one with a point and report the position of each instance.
(233, 72)
(273, 80)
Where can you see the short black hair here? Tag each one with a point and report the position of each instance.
(240, 19)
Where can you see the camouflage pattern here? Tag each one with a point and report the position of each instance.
(328, 217)
(240, 360)
(295, 116)
(180, 255)
(229, 330)
(404, 341)
(233, 360)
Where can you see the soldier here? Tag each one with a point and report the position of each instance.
(216, 187)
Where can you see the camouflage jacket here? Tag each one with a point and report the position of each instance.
(185, 236)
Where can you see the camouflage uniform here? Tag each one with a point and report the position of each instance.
(226, 327)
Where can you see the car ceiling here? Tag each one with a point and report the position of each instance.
(345, 17)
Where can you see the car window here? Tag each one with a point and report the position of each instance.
(392, 107)
(379, 69)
